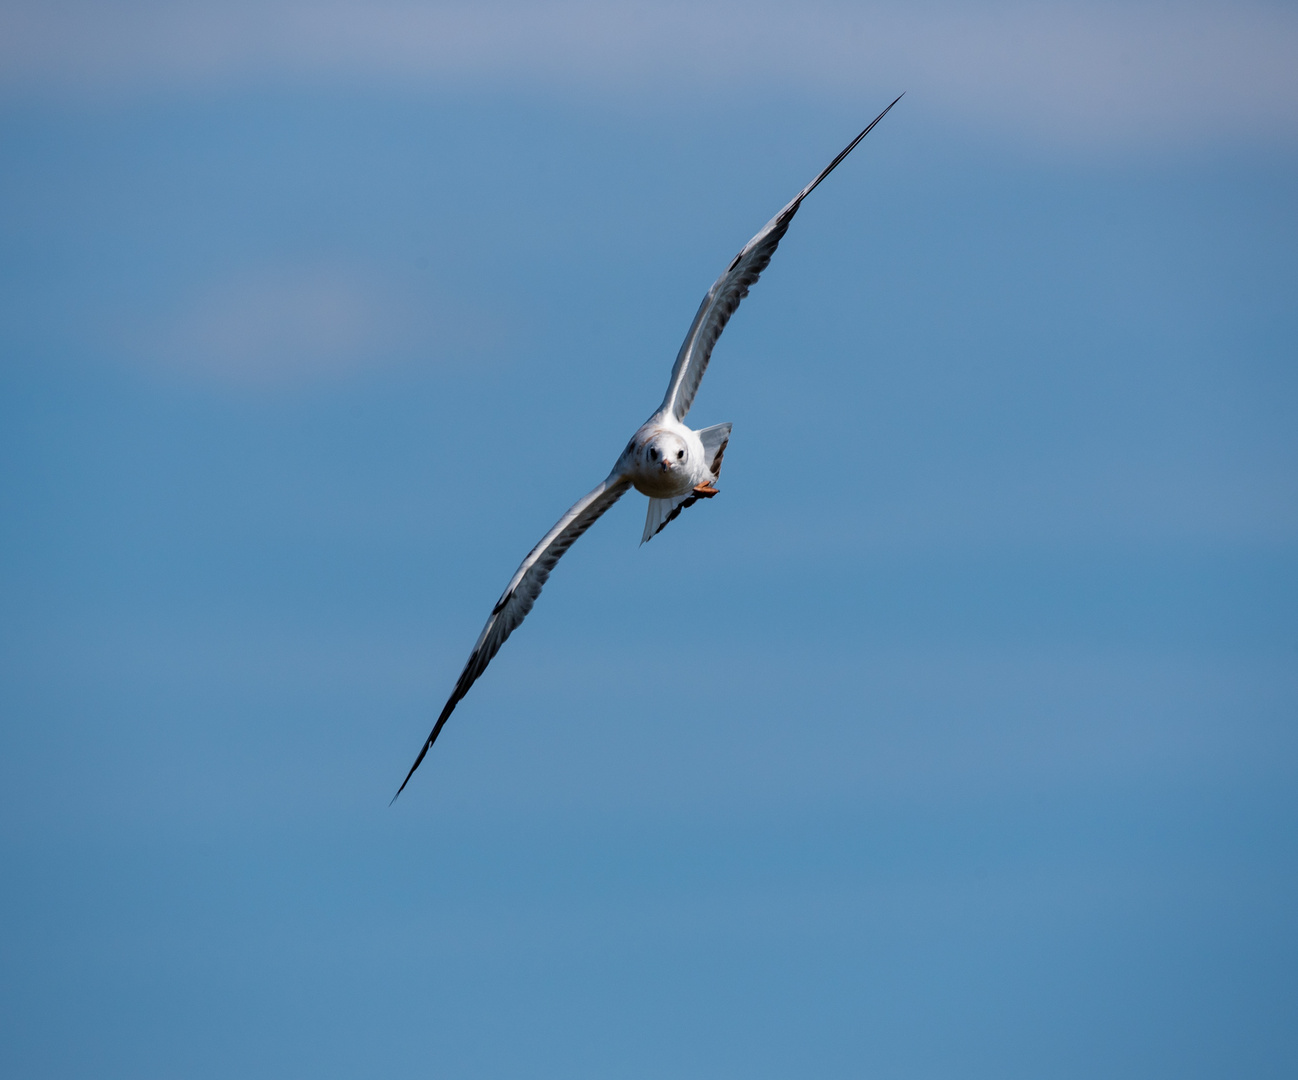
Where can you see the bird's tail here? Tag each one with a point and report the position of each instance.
(715, 440)
(661, 511)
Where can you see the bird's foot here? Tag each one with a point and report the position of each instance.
(705, 490)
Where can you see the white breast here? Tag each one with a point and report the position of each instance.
(656, 440)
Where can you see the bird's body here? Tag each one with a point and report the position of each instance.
(665, 459)
(672, 464)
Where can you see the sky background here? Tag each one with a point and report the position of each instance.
(957, 738)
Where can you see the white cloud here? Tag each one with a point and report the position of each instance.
(284, 325)
(1068, 72)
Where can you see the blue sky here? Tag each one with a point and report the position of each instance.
(956, 738)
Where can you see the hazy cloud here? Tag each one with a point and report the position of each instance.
(276, 325)
(1065, 72)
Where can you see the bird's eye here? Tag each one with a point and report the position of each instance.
(680, 454)
(653, 455)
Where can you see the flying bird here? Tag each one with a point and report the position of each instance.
(666, 460)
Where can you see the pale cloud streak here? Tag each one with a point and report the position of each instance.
(281, 325)
(1071, 74)
(277, 325)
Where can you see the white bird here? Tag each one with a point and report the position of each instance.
(666, 460)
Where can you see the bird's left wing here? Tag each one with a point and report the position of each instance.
(730, 288)
(521, 593)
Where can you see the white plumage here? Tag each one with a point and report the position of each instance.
(665, 460)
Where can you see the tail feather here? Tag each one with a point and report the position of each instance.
(715, 439)
(661, 511)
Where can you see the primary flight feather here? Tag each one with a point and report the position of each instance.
(664, 460)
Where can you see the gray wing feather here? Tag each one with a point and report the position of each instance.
(521, 593)
(730, 288)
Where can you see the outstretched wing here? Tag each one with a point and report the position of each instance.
(730, 288)
(521, 593)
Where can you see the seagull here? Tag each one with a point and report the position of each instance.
(666, 460)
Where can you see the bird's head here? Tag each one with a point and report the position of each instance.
(664, 452)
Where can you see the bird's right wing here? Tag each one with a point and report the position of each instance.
(730, 288)
(521, 593)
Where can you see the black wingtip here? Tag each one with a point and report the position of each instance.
(412, 771)
(868, 128)
(447, 709)
(843, 153)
